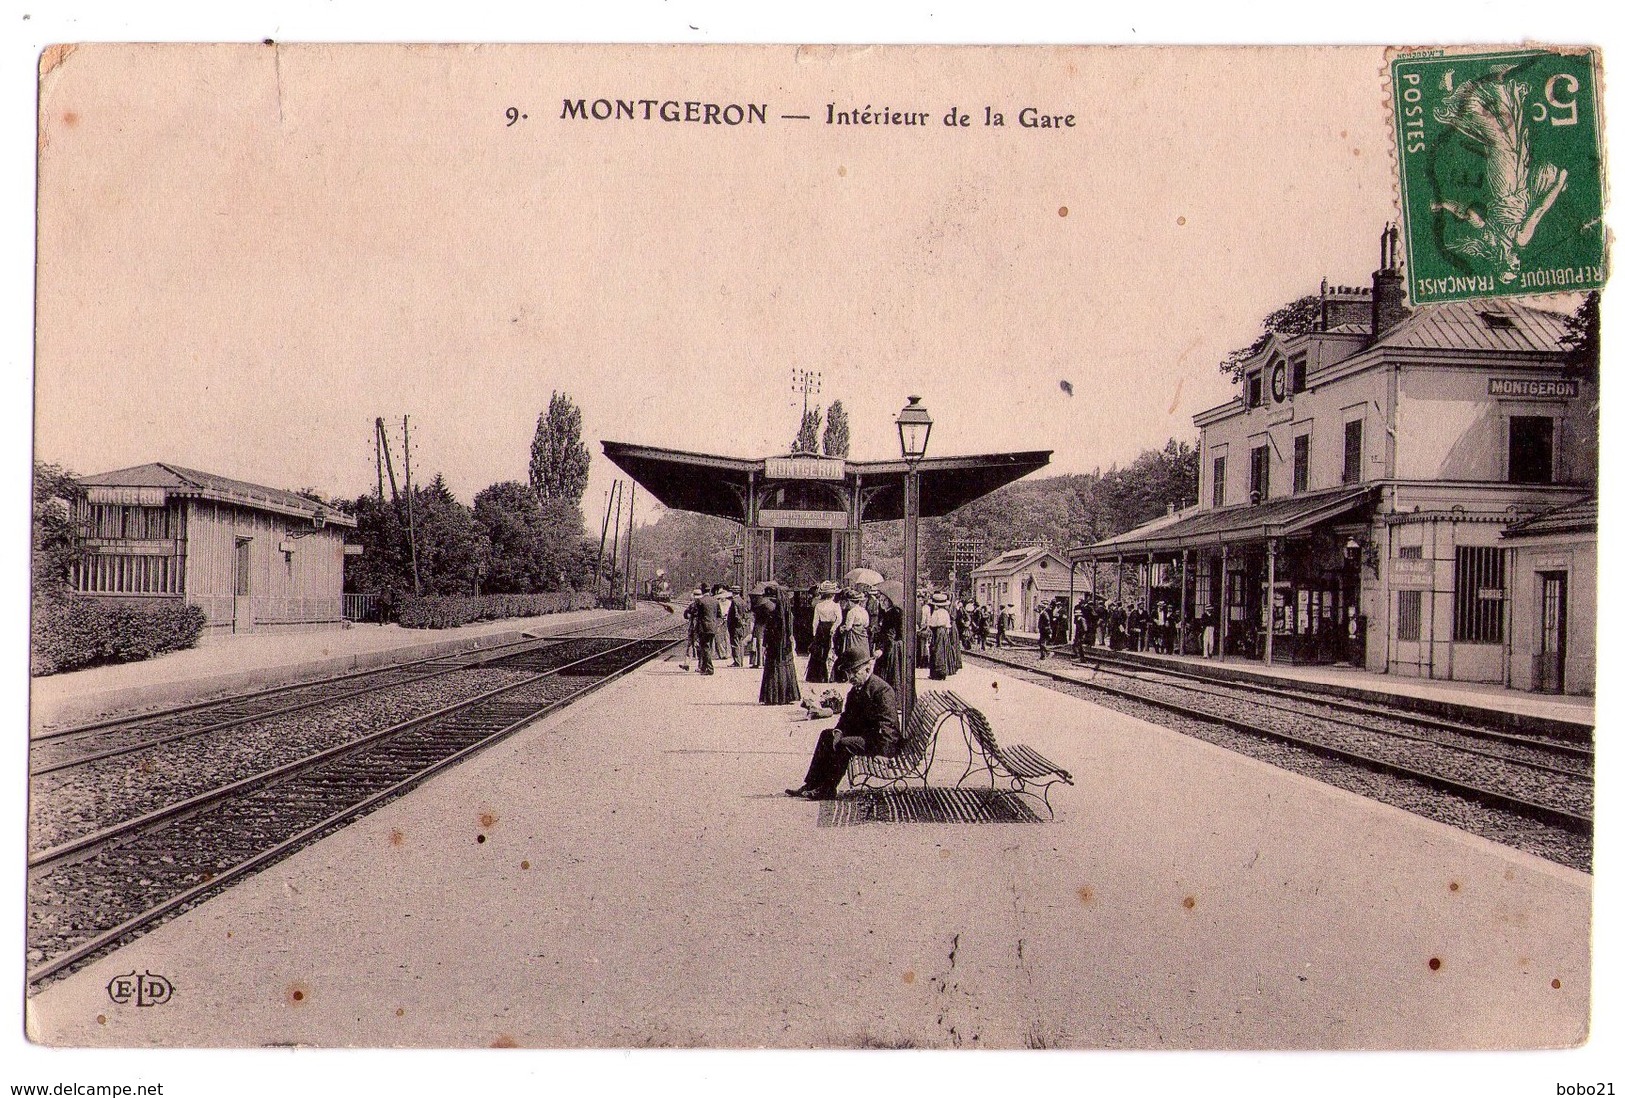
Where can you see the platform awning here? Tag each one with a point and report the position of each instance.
(712, 484)
(1278, 518)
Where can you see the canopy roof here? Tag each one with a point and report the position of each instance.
(1276, 518)
(715, 485)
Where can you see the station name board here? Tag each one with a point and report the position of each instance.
(1533, 387)
(805, 468)
(126, 496)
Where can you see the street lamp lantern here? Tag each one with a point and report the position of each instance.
(913, 430)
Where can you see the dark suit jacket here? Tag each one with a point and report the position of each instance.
(871, 713)
(707, 615)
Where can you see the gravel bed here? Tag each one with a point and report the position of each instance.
(1570, 793)
(1490, 742)
(138, 731)
(74, 901)
(1543, 840)
(76, 802)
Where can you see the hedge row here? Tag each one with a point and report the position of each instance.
(449, 611)
(72, 632)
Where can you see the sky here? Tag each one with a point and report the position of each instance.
(248, 253)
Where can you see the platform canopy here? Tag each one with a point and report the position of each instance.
(726, 486)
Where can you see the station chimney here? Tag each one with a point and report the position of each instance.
(1388, 286)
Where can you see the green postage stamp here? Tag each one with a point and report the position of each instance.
(1500, 172)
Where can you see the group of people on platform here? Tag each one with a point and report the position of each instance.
(1136, 625)
(850, 634)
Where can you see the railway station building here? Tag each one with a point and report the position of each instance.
(254, 559)
(1024, 578)
(1366, 498)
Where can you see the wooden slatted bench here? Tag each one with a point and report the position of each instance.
(914, 753)
(1019, 763)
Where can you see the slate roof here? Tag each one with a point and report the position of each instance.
(1465, 326)
(180, 481)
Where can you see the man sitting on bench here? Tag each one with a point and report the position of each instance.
(867, 726)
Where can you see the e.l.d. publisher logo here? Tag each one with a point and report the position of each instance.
(144, 990)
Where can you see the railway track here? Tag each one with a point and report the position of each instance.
(98, 890)
(80, 745)
(1546, 780)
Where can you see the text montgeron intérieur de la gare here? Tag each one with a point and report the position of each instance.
(745, 114)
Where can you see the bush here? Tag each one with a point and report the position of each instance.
(450, 611)
(72, 631)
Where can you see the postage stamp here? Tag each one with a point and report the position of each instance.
(1500, 173)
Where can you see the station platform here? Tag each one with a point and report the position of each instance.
(1457, 700)
(629, 873)
(235, 664)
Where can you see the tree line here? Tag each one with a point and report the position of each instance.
(516, 538)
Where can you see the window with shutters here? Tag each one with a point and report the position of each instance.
(1218, 482)
(1353, 442)
(1300, 464)
(1259, 483)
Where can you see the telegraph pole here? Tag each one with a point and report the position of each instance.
(603, 538)
(615, 551)
(411, 522)
(626, 572)
(808, 383)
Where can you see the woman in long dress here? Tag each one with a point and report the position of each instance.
(826, 616)
(939, 624)
(854, 635)
(956, 662)
(779, 685)
(887, 633)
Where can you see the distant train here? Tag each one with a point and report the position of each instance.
(660, 587)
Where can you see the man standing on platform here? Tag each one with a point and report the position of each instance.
(867, 726)
(705, 616)
(1043, 631)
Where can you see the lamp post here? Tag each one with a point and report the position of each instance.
(913, 432)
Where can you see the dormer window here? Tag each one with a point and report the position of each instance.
(1497, 321)
(1255, 388)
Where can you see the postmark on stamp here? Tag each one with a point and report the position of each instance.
(1500, 172)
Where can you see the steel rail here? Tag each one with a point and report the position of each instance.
(106, 836)
(1570, 821)
(476, 657)
(289, 845)
(1394, 713)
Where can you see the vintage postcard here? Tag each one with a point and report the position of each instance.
(815, 547)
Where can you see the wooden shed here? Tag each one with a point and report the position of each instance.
(252, 558)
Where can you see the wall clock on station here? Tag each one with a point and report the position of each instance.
(1278, 381)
